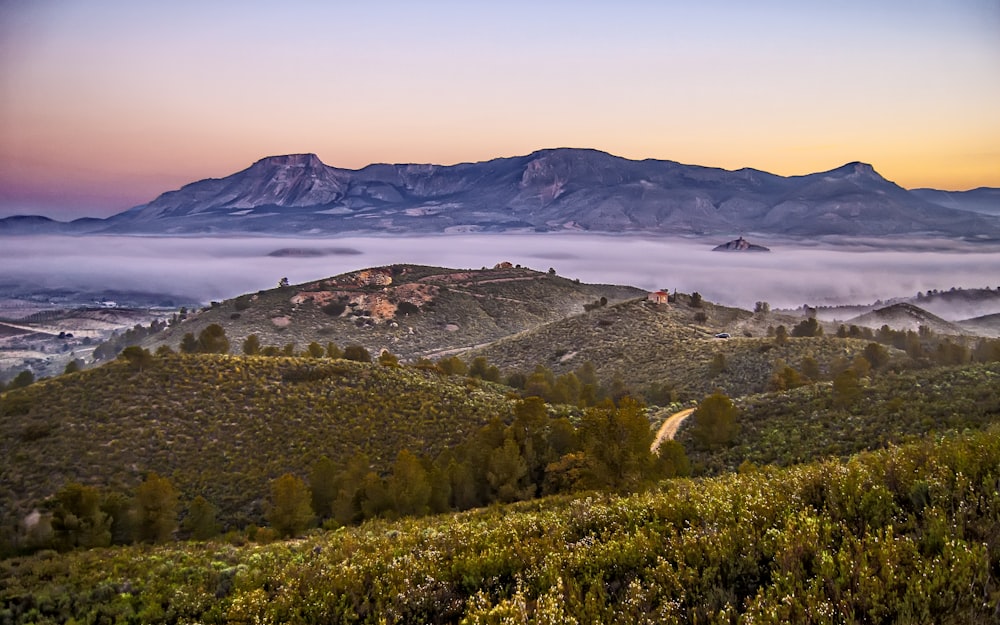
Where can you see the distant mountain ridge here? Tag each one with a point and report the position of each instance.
(564, 189)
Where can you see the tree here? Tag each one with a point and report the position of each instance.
(762, 308)
(77, 518)
(808, 327)
(212, 340)
(156, 502)
(453, 365)
(200, 521)
(388, 359)
(877, 355)
(283, 283)
(673, 461)
(481, 369)
(718, 364)
(780, 335)
(357, 353)
(506, 471)
(346, 505)
(409, 486)
(846, 389)
(714, 421)
(137, 357)
(120, 509)
(25, 378)
(189, 344)
(332, 351)
(810, 368)
(73, 366)
(289, 509)
(696, 301)
(616, 442)
(323, 484)
(251, 346)
(315, 350)
(785, 377)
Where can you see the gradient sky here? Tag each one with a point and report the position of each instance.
(105, 104)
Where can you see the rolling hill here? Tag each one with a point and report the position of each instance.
(645, 344)
(223, 427)
(410, 310)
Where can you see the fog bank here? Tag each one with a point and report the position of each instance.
(790, 275)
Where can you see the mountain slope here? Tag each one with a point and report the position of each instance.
(548, 190)
(982, 200)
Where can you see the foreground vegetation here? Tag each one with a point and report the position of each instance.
(909, 535)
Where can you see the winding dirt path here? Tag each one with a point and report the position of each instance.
(669, 428)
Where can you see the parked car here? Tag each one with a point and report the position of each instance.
(722, 335)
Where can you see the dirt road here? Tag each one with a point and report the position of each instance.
(669, 428)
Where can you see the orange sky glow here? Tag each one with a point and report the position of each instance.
(104, 105)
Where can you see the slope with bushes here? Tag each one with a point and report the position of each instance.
(910, 534)
(223, 426)
(832, 419)
(410, 310)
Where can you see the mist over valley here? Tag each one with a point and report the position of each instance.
(793, 274)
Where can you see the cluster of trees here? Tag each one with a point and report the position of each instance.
(534, 455)
(85, 517)
(873, 358)
(110, 349)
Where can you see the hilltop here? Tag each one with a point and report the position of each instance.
(904, 316)
(410, 310)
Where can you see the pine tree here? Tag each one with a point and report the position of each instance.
(289, 509)
(156, 502)
(200, 521)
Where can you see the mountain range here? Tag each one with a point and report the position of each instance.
(560, 189)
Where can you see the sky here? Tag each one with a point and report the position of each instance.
(105, 104)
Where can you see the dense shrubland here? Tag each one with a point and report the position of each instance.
(222, 426)
(834, 419)
(909, 535)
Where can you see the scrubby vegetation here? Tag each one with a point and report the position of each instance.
(814, 421)
(305, 482)
(909, 534)
(223, 426)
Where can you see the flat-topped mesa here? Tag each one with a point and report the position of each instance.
(740, 245)
(291, 160)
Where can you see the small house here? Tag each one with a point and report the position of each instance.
(659, 297)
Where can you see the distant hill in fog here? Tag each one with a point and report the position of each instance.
(549, 190)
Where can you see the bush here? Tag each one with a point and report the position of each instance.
(357, 353)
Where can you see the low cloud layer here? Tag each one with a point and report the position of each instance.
(789, 276)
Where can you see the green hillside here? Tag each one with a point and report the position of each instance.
(645, 344)
(816, 421)
(906, 535)
(223, 426)
(410, 310)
